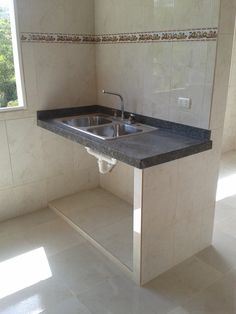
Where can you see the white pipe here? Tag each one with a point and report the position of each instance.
(105, 163)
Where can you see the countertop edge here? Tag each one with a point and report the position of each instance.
(99, 146)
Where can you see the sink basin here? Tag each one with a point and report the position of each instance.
(114, 130)
(103, 126)
(86, 121)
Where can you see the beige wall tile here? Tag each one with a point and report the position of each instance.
(55, 76)
(25, 150)
(30, 197)
(120, 182)
(5, 161)
(7, 206)
(79, 16)
(57, 154)
(157, 252)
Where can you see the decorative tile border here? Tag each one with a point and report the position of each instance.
(204, 34)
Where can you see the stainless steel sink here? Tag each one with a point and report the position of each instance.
(104, 126)
(114, 130)
(86, 121)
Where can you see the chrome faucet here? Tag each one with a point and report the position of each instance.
(122, 102)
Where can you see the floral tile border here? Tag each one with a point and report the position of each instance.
(203, 34)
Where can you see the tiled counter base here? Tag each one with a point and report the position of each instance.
(173, 214)
(171, 220)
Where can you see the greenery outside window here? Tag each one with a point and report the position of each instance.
(11, 82)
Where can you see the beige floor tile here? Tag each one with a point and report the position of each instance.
(28, 221)
(82, 267)
(222, 254)
(103, 216)
(179, 310)
(228, 226)
(231, 200)
(84, 200)
(12, 245)
(228, 160)
(224, 211)
(35, 299)
(219, 298)
(54, 236)
(184, 280)
(117, 238)
(121, 296)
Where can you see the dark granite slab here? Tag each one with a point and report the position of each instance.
(171, 141)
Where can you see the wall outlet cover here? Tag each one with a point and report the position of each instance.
(185, 103)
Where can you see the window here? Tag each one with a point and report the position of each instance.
(11, 83)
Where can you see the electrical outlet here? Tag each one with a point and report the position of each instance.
(185, 103)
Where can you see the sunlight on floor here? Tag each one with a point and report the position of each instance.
(33, 305)
(226, 187)
(23, 271)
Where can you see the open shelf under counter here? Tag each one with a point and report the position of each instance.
(103, 219)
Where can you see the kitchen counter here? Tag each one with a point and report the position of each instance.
(169, 142)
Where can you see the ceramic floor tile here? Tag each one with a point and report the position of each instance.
(179, 310)
(184, 280)
(28, 221)
(35, 299)
(93, 209)
(96, 218)
(82, 267)
(70, 306)
(13, 245)
(222, 253)
(73, 204)
(54, 236)
(117, 238)
(228, 160)
(219, 298)
(105, 217)
(231, 201)
(224, 211)
(228, 226)
(120, 295)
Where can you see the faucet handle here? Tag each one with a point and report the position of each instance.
(131, 118)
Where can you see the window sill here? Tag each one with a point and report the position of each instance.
(7, 109)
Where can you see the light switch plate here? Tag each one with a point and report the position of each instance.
(185, 103)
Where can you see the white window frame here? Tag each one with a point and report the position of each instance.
(18, 64)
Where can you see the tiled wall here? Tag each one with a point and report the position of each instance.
(120, 182)
(229, 135)
(152, 76)
(35, 165)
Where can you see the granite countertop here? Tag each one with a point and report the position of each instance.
(169, 142)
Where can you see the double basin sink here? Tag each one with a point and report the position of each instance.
(104, 126)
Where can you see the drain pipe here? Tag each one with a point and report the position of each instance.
(105, 163)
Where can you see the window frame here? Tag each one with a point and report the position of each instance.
(18, 62)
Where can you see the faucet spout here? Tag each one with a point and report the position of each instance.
(122, 102)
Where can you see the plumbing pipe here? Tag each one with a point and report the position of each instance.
(105, 163)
